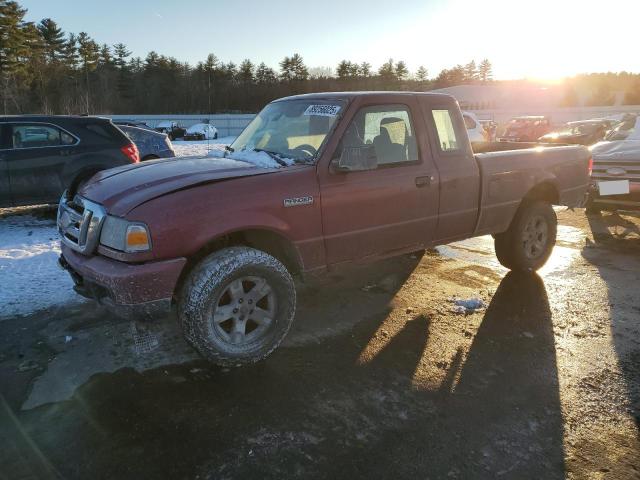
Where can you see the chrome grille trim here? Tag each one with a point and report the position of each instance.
(79, 223)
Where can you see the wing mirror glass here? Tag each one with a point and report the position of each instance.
(356, 159)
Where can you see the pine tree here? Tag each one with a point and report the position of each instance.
(125, 78)
(120, 54)
(401, 71)
(485, 72)
(300, 71)
(53, 37)
(344, 69)
(245, 73)
(421, 74)
(365, 69)
(17, 37)
(70, 52)
(104, 57)
(286, 69)
(387, 70)
(265, 75)
(471, 71)
(89, 54)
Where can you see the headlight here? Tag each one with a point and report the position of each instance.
(129, 237)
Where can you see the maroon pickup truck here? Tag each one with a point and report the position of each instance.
(314, 182)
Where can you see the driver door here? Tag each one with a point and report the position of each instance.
(390, 206)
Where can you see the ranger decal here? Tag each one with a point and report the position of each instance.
(297, 201)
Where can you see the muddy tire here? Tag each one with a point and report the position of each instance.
(237, 305)
(528, 243)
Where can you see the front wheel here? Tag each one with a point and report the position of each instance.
(529, 241)
(237, 305)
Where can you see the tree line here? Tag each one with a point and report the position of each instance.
(45, 70)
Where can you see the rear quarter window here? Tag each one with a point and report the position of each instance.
(105, 131)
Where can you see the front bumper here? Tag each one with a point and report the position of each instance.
(630, 201)
(193, 136)
(128, 290)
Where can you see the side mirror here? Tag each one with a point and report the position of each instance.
(356, 159)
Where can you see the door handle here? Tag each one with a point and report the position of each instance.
(424, 181)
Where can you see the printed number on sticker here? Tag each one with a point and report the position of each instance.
(322, 110)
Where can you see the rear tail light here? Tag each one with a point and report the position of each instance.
(590, 166)
(131, 151)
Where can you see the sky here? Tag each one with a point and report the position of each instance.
(538, 39)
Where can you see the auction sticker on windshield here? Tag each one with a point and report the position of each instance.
(322, 110)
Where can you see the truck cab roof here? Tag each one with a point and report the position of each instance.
(353, 95)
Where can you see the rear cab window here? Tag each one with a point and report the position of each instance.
(448, 138)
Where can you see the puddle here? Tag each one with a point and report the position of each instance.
(480, 251)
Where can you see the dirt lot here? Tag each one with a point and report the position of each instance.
(379, 378)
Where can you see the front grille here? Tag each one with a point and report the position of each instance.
(79, 223)
(614, 169)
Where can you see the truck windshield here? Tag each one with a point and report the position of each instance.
(292, 130)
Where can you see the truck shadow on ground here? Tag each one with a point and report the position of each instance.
(327, 410)
(616, 254)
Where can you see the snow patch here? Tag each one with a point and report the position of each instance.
(200, 148)
(259, 159)
(30, 278)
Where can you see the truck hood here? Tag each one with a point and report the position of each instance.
(121, 189)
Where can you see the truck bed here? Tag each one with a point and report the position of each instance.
(507, 176)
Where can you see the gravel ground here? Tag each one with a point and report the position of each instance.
(379, 378)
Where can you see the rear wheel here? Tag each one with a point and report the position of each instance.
(529, 241)
(237, 306)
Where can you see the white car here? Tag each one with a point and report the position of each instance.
(474, 128)
(201, 131)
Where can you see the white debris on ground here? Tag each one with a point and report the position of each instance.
(199, 148)
(30, 278)
(466, 306)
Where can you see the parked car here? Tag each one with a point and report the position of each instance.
(583, 132)
(616, 173)
(132, 123)
(201, 131)
(313, 183)
(41, 156)
(628, 126)
(151, 145)
(171, 128)
(475, 131)
(526, 129)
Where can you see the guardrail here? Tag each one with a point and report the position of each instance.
(233, 124)
(227, 124)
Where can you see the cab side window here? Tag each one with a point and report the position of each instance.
(379, 136)
(35, 135)
(447, 138)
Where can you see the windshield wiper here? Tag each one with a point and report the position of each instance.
(273, 155)
(229, 148)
